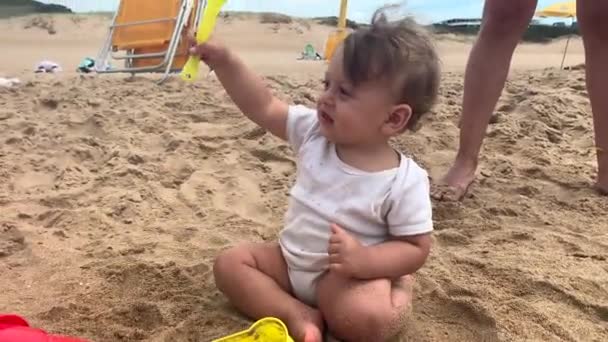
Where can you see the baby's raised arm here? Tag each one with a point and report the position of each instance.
(245, 88)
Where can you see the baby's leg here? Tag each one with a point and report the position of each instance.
(254, 278)
(356, 310)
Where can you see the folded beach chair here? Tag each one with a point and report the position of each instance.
(149, 36)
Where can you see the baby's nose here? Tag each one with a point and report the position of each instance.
(327, 98)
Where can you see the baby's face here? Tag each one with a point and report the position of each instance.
(353, 116)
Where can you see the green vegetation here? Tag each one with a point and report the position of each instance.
(534, 33)
(11, 8)
(333, 21)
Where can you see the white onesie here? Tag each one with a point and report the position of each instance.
(370, 206)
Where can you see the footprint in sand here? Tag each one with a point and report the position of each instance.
(546, 301)
(90, 126)
(451, 237)
(32, 180)
(456, 316)
(11, 239)
(49, 103)
(140, 315)
(210, 190)
(279, 164)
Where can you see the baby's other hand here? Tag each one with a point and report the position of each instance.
(212, 52)
(345, 253)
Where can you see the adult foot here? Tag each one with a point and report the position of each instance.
(602, 179)
(455, 184)
(306, 326)
(602, 189)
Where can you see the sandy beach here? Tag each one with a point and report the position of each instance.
(116, 193)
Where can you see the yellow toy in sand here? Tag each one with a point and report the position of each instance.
(267, 329)
(190, 70)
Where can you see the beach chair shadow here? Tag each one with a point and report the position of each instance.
(149, 37)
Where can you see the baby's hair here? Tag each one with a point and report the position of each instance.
(400, 52)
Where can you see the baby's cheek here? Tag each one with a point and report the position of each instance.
(360, 124)
(348, 126)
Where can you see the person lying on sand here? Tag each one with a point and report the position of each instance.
(503, 24)
(359, 219)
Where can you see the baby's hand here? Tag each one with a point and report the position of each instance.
(211, 52)
(345, 253)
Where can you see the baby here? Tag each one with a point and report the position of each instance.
(359, 219)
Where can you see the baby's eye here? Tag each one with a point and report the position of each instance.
(325, 84)
(344, 91)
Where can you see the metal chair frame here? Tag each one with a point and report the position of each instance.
(109, 49)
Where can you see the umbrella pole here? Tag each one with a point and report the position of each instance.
(567, 42)
(565, 51)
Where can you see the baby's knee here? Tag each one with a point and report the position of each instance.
(371, 323)
(378, 324)
(226, 263)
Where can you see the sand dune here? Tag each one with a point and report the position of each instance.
(116, 194)
(78, 36)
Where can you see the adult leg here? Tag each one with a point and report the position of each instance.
(593, 23)
(503, 25)
(356, 310)
(254, 278)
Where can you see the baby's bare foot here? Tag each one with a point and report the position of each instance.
(306, 326)
(312, 334)
(403, 292)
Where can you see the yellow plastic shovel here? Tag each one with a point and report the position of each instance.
(190, 70)
(267, 329)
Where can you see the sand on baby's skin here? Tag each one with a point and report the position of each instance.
(116, 194)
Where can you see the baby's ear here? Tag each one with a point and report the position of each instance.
(398, 119)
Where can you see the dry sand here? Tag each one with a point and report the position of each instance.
(116, 194)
